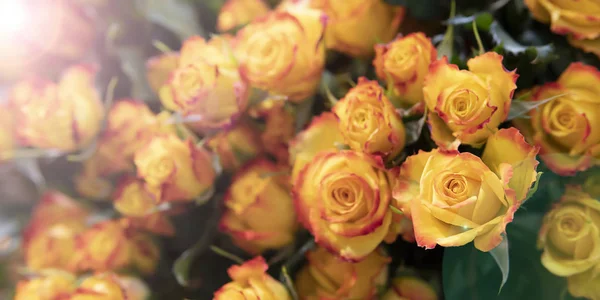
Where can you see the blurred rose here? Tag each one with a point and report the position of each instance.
(403, 64)
(369, 122)
(250, 281)
(103, 247)
(236, 146)
(49, 285)
(410, 288)
(237, 13)
(284, 52)
(110, 286)
(325, 276)
(279, 127)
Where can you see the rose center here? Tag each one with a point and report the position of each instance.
(159, 170)
(462, 102)
(569, 226)
(346, 199)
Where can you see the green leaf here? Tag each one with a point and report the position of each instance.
(500, 255)
(178, 16)
(538, 53)
(534, 189)
(520, 108)
(396, 210)
(446, 47)
(289, 283)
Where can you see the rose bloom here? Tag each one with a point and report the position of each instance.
(579, 21)
(566, 129)
(110, 286)
(103, 247)
(321, 134)
(343, 198)
(454, 198)
(207, 87)
(369, 122)
(236, 146)
(174, 169)
(159, 68)
(325, 276)
(410, 288)
(283, 52)
(279, 127)
(251, 281)
(237, 13)
(403, 63)
(260, 213)
(50, 285)
(66, 116)
(467, 106)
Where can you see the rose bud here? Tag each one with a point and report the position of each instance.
(177, 170)
(251, 281)
(283, 52)
(103, 247)
(207, 86)
(403, 64)
(49, 285)
(325, 276)
(467, 106)
(321, 134)
(410, 288)
(566, 129)
(145, 254)
(454, 198)
(369, 122)
(237, 13)
(64, 116)
(254, 196)
(236, 146)
(110, 286)
(133, 199)
(343, 199)
(279, 127)
(159, 68)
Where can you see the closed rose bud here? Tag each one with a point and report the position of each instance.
(279, 127)
(236, 146)
(454, 198)
(284, 52)
(50, 285)
(325, 276)
(566, 129)
(334, 181)
(145, 254)
(64, 116)
(251, 281)
(103, 247)
(103, 286)
(177, 170)
(321, 134)
(570, 234)
(467, 106)
(260, 213)
(207, 87)
(403, 64)
(410, 288)
(369, 122)
(159, 68)
(131, 198)
(237, 13)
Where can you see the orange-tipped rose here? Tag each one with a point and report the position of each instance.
(566, 129)
(251, 281)
(133, 199)
(369, 122)
(580, 21)
(159, 68)
(322, 134)
(64, 116)
(467, 106)
(236, 13)
(207, 87)
(236, 146)
(279, 127)
(403, 64)
(410, 288)
(284, 52)
(260, 213)
(177, 170)
(103, 247)
(50, 285)
(326, 276)
(454, 198)
(343, 199)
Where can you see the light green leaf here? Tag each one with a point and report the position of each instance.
(396, 210)
(289, 283)
(500, 255)
(446, 47)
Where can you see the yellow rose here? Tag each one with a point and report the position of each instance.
(177, 170)
(50, 285)
(566, 129)
(53, 246)
(103, 247)
(322, 134)
(404, 63)
(251, 281)
(369, 122)
(131, 198)
(454, 198)
(570, 235)
(145, 254)
(64, 116)
(259, 209)
(279, 127)
(410, 288)
(237, 13)
(580, 21)
(283, 52)
(326, 276)
(467, 106)
(159, 68)
(104, 286)
(207, 87)
(236, 146)
(343, 199)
